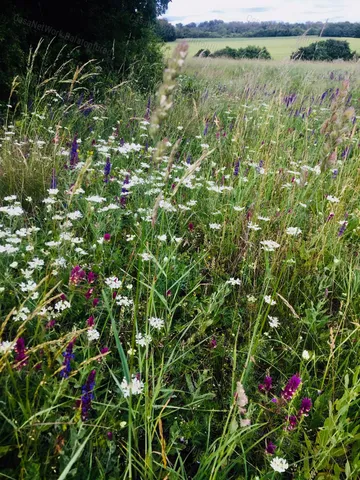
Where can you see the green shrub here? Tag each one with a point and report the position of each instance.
(327, 50)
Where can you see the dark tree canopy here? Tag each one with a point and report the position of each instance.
(114, 31)
(165, 30)
(325, 51)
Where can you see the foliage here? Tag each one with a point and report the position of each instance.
(219, 29)
(165, 30)
(203, 52)
(325, 51)
(116, 33)
(249, 52)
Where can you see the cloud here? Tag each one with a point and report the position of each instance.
(290, 11)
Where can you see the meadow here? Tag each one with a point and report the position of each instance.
(280, 48)
(180, 274)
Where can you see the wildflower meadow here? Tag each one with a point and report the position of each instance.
(180, 273)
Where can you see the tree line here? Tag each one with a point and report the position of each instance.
(221, 29)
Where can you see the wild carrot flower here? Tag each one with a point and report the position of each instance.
(87, 395)
(134, 387)
(279, 464)
(291, 387)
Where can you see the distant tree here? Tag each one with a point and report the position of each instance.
(202, 53)
(325, 51)
(251, 52)
(165, 30)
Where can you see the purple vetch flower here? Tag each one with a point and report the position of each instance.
(335, 173)
(107, 170)
(68, 356)
(77, 275)
(124, 191)
(260, 166)
(291, 422)
(330, 217)
(270, 448)
(206, 129)
(188, 159)
(213, 343)
(122, 142)
(305, 406)
(21, 358)
(109, 436)
(342, 229)
(87, 395)
(267, 385)
(53, 183)
(236, 168)
(291, 387)
(74, 154)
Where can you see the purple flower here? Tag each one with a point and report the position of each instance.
(236, 168)
(87, 395)
(342, 229)
(107, 170)
(21, 357)
(53, 179)
(270, 448)
(107, 237)
(305, 406)
(77, 275)
(74, 154)
(266, 386)
(292, 422)
(213, 343)
(291, 387)
(68, 356)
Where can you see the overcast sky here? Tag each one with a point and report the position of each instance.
(186, 11)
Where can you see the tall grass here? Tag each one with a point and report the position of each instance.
(141, 307)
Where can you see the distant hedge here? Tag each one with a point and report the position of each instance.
(250, 52)
(325, 51)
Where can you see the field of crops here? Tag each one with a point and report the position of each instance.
(180, 274)
(280, 48)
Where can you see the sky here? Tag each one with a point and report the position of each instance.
(186, 11)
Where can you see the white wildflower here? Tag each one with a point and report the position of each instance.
(269, 245)
(293, 231)
(135, 387)
(234, 281)
(92, 334)
(113, 282)
(273, 321)
(279, 464)
(156, 323)
(269, 300)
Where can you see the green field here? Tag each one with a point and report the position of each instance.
(279, 47)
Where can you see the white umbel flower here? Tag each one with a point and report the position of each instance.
(279, 464)
(156, 323)
(135, 387)
(93, 334)
(294, 231)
